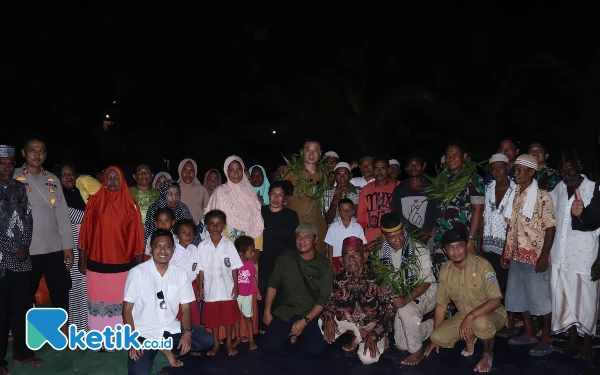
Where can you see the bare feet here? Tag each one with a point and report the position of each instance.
(253, 345)
(244, 339)
(173, 361)
(485, 364)
(469, 347)
(236, 342)
(587, 350)
(231, 350)
(214, 350)
(414, 358)
(351, 346)
(33, 361)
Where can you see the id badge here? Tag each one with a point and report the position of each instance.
(227, 262)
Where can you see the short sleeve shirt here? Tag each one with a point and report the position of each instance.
(218, 263)
(246, 280)
(470, 288)
(188, 259)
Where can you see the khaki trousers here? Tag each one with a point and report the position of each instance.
(484, 328)
(409, 329)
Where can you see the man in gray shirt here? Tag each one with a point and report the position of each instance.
(52, 241)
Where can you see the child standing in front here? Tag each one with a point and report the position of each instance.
(247, 285)
(340, 230)
(164, 218)
(218, 280)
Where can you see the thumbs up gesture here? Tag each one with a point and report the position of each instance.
(577, 207)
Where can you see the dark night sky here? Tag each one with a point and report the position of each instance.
(203, 80)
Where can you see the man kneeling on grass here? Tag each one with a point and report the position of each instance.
(154, 291)
(470, 282)
(358, 305)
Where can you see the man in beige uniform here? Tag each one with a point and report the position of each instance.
(52, 241)
(399, 251)
(470, 282)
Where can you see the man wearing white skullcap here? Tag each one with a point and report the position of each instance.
(331, 158)
(343, 189)
(394, 171)
(529, 238)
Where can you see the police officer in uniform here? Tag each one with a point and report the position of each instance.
(470, 282)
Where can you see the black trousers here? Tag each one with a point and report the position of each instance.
(277, 335)
(58, 279)
(14, 304)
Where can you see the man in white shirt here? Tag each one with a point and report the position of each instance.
(154, 292)
(366, 169)
(575, 261)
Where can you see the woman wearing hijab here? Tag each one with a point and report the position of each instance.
(170, 196)
(111, 243)
(260, 183)
(212, 179)
(78, 307)
(239, 202)
(193, 194)
(159, 179)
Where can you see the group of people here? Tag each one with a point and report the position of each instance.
(312, 255)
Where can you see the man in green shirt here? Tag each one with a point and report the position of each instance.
(305, 278)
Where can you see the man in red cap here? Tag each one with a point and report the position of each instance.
(358, 305)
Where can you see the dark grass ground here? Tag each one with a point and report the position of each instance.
(507, 360)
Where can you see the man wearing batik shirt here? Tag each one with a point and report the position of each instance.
(575, 261)
(465, 210)
(343, 189)
(358, 305)
(375, 200)
(547, 178)
(530, 233)
(15, 263)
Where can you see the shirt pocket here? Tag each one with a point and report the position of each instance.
(173, 295)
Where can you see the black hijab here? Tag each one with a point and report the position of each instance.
(72, 196)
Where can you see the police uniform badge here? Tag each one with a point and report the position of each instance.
(227, 262)
(52, 201)
(53, 191)
(44, 172)
(50, 179)
(194, 266)
(28, 190)
(21, 179)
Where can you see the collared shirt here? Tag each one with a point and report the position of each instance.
(362, 302)
(525, 236)
(458, 213)
(425, 268)
(16, 223)
(573, 250)
(286, 277)
(352, 194)
(52, 225)
(188, 259)
(143, 284)
(494, 223)
(547, 178)
(218, 263)
(470, 288)
(360, 182)
(337, 233)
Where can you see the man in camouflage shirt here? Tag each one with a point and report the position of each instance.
(465, 211)
(547, 178)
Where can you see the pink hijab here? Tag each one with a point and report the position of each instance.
(239, 202)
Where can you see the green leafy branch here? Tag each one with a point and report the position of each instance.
(309, 189)
(388, 275)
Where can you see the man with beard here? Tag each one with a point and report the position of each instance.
(358, 305)
(470, 282)
(575, 262)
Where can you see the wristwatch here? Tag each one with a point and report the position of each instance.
(190, 330)
(472, 237)
(306, 319)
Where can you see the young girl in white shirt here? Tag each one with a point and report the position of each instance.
(218, 280)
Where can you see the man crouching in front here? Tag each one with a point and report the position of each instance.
(470, 282)
(154, 291)
(358, 305)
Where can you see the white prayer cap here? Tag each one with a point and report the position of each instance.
(332, 153)
(394, 162)
(498, 157)
(443, 159)
(342, 164)
(7, 151)
(527, 160)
